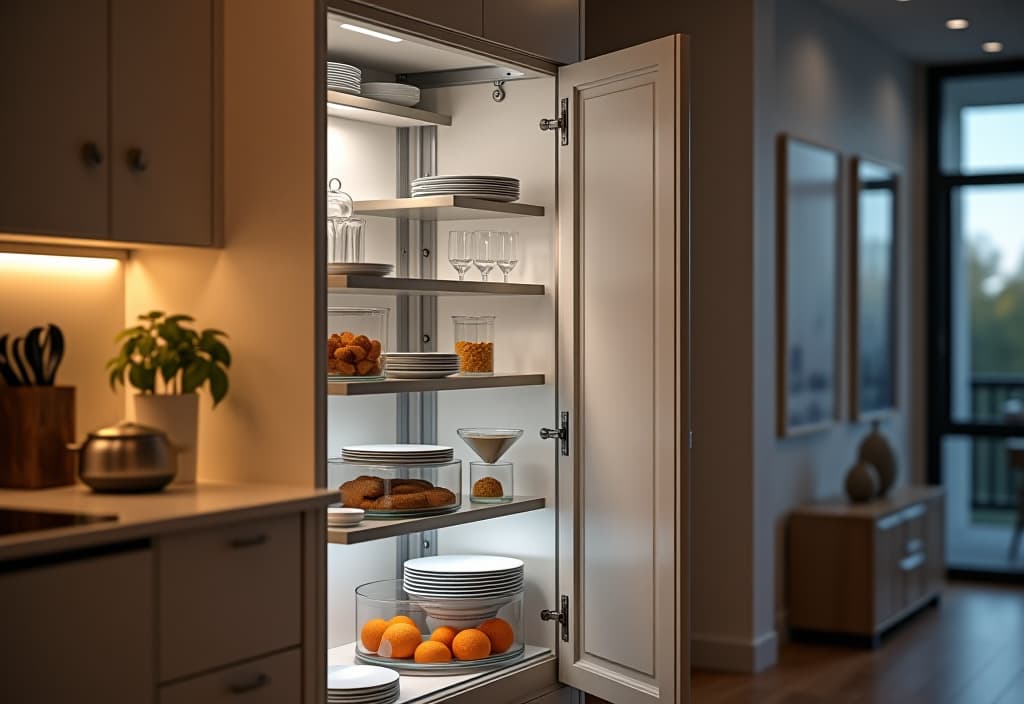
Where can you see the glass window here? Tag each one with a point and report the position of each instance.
(982, 124)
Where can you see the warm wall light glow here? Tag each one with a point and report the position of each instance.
(992, 47)
(371, 33)
(19, 263)
(957, 23)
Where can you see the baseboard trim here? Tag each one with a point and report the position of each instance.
(731, 654)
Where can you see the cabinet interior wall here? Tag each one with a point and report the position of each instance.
(486, 137)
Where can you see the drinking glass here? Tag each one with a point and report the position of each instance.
(506, 251)
(483, 251)
(460, 251)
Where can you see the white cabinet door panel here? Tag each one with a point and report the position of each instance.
(622, 374)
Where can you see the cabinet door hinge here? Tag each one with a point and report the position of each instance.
(560, 123)
(562, 616)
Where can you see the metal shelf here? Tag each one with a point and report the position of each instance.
(446, 208)
(450, 383)
(468, 513)
(356, 107)
(348, 283)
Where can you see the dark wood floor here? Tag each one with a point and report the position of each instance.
(968, 650)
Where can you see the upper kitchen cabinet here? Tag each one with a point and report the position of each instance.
(462, 15)
(547, 28)
(112, 121)
(53, 77)
(162, 121)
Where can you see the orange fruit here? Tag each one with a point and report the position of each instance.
(499, 632)
(471, 644)
(402, 618)
(432, 651)
(444, 634)
(372, 632)
(400, 640)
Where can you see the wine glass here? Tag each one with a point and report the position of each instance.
(483, 251)
(506, 253)
(460, 251)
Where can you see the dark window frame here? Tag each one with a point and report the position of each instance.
(940, 422)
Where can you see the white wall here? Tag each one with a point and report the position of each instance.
(831, 83)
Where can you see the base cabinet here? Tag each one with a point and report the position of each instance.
(81, 630)
(857, 569)
(269, 680)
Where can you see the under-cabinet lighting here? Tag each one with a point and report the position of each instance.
(992, 47)
(371, 33)
(20, 263)
(957, 23)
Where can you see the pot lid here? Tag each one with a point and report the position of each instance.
(126, 429)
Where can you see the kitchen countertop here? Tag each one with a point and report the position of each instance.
(176, 508)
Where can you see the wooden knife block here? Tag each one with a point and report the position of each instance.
(36, 424)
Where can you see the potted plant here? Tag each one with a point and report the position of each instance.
(168, 363)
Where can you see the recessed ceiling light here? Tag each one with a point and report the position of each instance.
(992, 47)
(371, 33)
(957, 23)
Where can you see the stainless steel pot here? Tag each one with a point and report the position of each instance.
(126, 457)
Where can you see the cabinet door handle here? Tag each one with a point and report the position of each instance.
(249, 542)
(137, 160)
(912, 562)
(260, 680)
(915, 545)
(915, 511)
(91, 154)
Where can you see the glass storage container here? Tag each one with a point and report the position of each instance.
(398, 491)
(499, 619)
(490, 483)
(345, 241)
(474, 343)
(356, 337)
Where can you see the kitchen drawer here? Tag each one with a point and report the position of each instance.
(228, 594)
(271, 680)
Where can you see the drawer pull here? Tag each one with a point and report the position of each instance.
(890, 522)
(250, 542)
(915, 545)
(260, 680)
(915, 511)
(912, 562)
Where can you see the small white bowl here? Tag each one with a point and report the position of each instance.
(344, 517)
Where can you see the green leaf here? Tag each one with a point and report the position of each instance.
(211, 332)
(218, 384)
(217, 350)
(155, 314)
(116, 375)
(195, 374)
(173, 319)
(129, 332)
(170, 332)
(141, 378)
(146, 345)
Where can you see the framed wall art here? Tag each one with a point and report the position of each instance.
(873, 298)
(809, 196)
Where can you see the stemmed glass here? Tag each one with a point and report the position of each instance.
(506, 251)
(460, 251)
(484, 243)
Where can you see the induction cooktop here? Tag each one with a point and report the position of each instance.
(14, 520)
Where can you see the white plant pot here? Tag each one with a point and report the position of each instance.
(178, 416)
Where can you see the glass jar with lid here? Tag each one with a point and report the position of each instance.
(356, 338)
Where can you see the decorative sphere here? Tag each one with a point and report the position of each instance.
(862, 482)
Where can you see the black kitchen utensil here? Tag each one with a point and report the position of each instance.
(18, 353)
(52, 353)
(7, 371)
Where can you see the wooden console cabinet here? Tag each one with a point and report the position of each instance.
(857, 569)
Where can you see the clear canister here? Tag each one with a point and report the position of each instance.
(474, 343)
(356, 337)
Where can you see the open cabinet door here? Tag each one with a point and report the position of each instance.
(622, 338)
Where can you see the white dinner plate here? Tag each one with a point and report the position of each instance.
(461, 564)
(360, 268)
(359, 677)
(481, 196)
(395, 374)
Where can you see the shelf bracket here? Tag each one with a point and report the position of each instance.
(498, 94)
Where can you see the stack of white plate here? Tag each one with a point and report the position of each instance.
(501, 188)
(420, 365)
(397, 454)
(464, 577)
(340, 516)
(361, 684)
(360, 268)
(397, 93)
(343, 77)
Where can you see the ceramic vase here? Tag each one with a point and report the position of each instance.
(178, 416)
(876, 451)
(862, 482)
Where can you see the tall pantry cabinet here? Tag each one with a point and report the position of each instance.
(591, 344)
